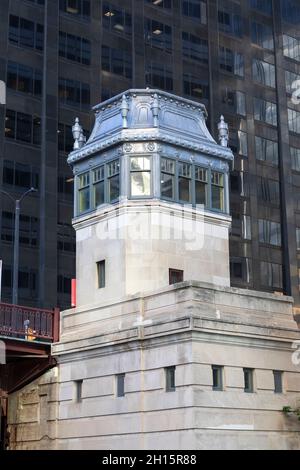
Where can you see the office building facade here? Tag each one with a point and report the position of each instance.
(239, 58)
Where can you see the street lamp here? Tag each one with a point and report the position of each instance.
(17, 203)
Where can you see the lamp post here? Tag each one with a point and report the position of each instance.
(17, 203)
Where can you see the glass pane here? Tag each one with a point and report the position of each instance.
(140, 184)
(140, 163)
(99, 193)
(200, 192)
(114, 188)
(167, 186)
(84, 199)
(184, 189)
(217, 194)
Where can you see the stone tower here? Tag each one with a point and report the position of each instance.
(160, 352)
(151, 192)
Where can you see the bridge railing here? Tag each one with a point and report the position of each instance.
(30, 324)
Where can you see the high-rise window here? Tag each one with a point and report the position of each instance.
(236, 100)
(20, 174)
(116, 20)
(195, 9)
(238, 269)
(265, 6)
(298, 237)
(231, 61)
(74, 48)
(230, 22)
(266, 150)
(23, 127)
(64, 284)
(159, 76)
(269, 232)
(194, 48)
(262, 35)
(24, 79)
(268, 191)
(78, 8)
(65, 138)
(117, 61)
(160, 3)
(28, 231)
(26, 33)
(290, 79)
(271, 275)
(195, 88)
(291, 47)
(158, 34)
(290, 10)
(263, 73)
(74, 93)
(294, 121)
(265, 111)
(295, 157)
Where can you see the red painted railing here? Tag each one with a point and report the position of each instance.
(31, 324)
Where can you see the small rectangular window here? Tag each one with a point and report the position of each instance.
(120, 379)
(78, 385)
(277, 381)
(175, 276)
(170, 379)
(101, 274)
(217, 373)
(248, 380)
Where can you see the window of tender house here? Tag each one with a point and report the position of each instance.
(78, 390)
(120, 385)
(217, 190)
(167, 179)
(84, 192)
(113, 180)
(217, 373)
(101, 274)
(175, 276)
(170, 379)
(140, 176)
(201, 185)
(184, 182)
(248, 381)
(278, 387)
(98, 186)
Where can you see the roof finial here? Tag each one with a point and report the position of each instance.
(78, 135)
(223, 132)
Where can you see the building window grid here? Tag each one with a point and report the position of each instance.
(231, 61)
(24, 79)
(158, 35)
(116, 20)
(266, 150)
(74, 48)
(194, 48)
(264, 73)
(26, 33)
(76, 8)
